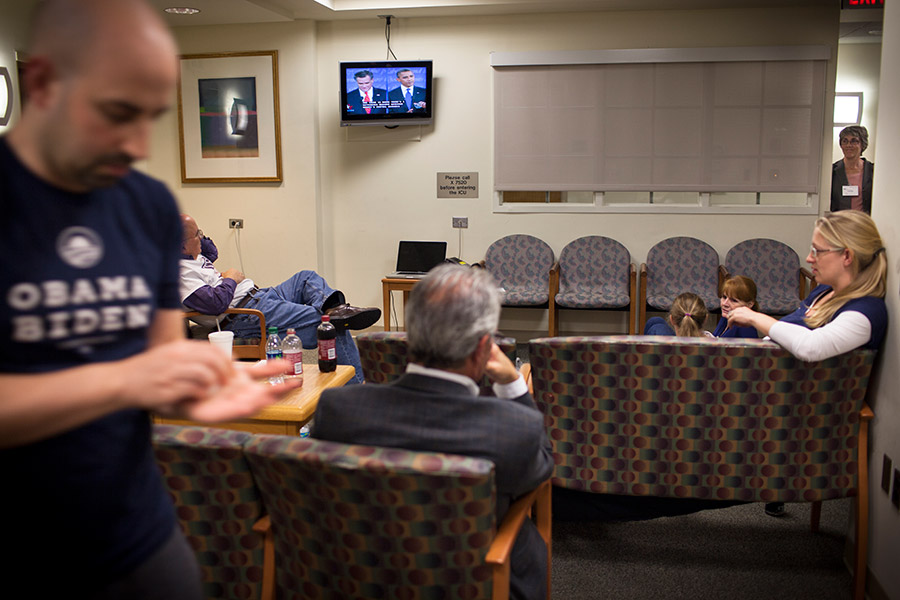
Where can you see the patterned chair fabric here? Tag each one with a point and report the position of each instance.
(775, 269)
(521, 265)
(727, 420)
(384, 354)
(366, 522)
(217, 503)
(593, 272)
(681, 264)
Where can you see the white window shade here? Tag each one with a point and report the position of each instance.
(704, 126)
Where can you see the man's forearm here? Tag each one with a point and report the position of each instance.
(36, 406)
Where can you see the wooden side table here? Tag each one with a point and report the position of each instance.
(388, 285)
(289, 414)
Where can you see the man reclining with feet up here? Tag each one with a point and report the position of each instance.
(298, 302)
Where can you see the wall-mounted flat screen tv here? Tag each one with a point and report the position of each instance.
(386, 93)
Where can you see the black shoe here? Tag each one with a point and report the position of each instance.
(775, 509)
(344, 316)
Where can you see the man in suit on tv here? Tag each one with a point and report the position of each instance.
(408, 97)
(366, 98)
(451, 318)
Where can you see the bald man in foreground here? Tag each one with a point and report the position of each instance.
(91, 336)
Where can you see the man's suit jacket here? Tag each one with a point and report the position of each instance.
(398, 95)
(418, 412)
(355, 102)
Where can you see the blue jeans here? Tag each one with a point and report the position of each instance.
(297, 303)
(658, 326)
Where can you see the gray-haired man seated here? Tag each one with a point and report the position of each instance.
(451, 318)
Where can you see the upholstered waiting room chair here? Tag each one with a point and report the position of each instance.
(593, 272)
(217, 504)
(674, 266)
(521, 266)
(252, 348)
(384, 354)
(775, 269)
(364, 522)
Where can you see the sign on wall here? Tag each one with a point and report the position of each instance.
(457, 185)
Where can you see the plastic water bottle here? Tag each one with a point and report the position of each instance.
(304, 431)
(326, 334)
(293, 353)
(273, 352)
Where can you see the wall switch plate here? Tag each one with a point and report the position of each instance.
(895, 495)
(460, 222)
(886, 465)
(235, 223)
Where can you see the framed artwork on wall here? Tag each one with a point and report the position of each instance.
(229, 127)
(6, 96)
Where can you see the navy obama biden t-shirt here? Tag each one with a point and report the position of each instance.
(82, 277)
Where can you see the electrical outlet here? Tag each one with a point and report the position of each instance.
(460, 222)
(235, 223)
(886, 465)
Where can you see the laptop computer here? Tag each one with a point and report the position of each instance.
(415, 259)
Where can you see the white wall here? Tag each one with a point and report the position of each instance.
(884, 547)
(858, 66)
(280, 234)
(12, 38)
(377, 192)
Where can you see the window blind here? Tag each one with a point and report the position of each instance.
(740, 126)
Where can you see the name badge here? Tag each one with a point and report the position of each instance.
(850, 190)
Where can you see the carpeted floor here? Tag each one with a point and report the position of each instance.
(737, 553)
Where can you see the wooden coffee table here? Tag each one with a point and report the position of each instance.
(289, 414)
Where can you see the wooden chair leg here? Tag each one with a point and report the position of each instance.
(861, 545)
(815, 513)
(264, 527)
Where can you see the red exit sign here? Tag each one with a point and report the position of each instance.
(851, 4)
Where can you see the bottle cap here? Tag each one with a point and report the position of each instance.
(272, 329)
(325, 318)
(291, 331)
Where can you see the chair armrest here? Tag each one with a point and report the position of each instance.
(723, 275)
(535, 503)
(251, 311)
(554, 280)
(866, 413)
(806, 282)
(526, 373)
(264, 528)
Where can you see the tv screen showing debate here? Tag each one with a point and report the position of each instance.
(386, 93)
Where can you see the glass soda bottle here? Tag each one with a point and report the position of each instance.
(273, 352)
(326, 334)
(292, 350)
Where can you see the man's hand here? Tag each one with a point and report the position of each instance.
(244, 394)
(499, 368)
(234, 274)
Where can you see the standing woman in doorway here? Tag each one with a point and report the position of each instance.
(851, 177)
(846, 310)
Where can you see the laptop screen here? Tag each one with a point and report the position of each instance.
(420, 257)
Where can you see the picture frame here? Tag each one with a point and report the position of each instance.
(229, 124)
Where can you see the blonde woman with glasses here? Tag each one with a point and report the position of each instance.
(846, 310)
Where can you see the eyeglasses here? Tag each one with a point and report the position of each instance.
(816, 251)
(850, 142)
(198, 235)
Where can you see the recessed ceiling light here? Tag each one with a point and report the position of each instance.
(182, 10)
